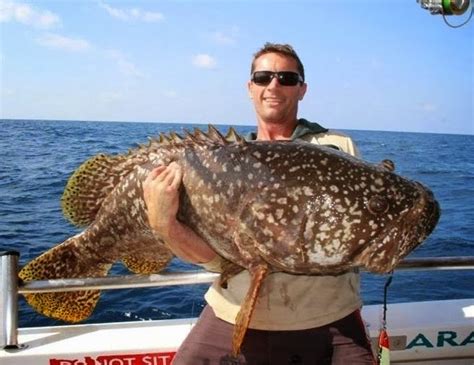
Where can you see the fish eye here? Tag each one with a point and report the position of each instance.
(377, 205)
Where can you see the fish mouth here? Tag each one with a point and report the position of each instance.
(429, 207)
(404, 234)
(421, 220)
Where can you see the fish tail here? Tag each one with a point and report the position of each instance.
(89, 185)
(64, 261)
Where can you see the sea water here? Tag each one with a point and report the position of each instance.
(37, 157)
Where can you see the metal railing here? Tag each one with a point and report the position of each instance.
(10, 286)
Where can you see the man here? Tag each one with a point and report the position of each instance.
(297, 319)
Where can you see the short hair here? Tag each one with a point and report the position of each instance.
(282, 49)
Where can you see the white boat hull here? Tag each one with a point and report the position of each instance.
(436, 332)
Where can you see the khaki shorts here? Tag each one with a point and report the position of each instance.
(342, 342)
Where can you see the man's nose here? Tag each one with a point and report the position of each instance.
(273, 82)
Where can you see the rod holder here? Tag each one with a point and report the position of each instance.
(9, 299)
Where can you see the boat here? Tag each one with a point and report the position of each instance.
(425, 332)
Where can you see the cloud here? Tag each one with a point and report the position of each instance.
(52, 40)
(222, 38)
(132, 14)
(225, 38)
(204, 61)
(124, 65)
(28, 15)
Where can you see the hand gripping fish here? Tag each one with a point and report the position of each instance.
(264, 206)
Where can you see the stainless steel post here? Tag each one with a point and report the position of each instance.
(9, 299)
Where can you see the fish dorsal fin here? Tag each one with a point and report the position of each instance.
(216, 136)
(167, 139)
(90, 184)
(164, 139)
(141, 148)
(193, 138)
(153, 143)
(200, 135)
(233, 136)
(202, 139)
(175, 138)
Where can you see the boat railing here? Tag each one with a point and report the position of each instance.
(10, 285)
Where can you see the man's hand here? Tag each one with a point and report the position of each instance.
(161, 194)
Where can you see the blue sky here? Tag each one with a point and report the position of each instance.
(373, 65)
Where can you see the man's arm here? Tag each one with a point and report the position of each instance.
(161, 194)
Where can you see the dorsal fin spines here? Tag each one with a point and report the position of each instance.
(199, 134)
(140, 148)
(176, 138)
(145, 146)
(187, 133)
(191, 138)
(233, 136)
(164, 139)
(154, 142)
(215, 135)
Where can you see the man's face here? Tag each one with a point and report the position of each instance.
(275, 103)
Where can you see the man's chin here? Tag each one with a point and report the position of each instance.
(274, 113)
(276, 119)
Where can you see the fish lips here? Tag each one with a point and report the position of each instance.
(404, 234)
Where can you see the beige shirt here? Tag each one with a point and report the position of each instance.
(291, 302)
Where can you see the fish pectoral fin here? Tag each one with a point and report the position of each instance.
(141, 264)
(64, 261)
(149, 255)
(258, 274)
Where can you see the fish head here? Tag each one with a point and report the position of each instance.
(399, 217)
(330, 212)
(374, 216)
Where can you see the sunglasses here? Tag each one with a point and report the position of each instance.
(285, 78)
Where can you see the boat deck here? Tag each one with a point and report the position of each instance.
(435, 332)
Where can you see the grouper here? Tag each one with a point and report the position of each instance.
(263, 206)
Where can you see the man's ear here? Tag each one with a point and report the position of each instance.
(249, 89)
(303, 89)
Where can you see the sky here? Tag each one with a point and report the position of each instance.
(369, 64)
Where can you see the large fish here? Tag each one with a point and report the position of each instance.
(263, 206)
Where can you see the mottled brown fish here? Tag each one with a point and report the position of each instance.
(264, 206)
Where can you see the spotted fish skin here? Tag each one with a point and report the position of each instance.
(263, 206)
(303, 208)
(120, 231)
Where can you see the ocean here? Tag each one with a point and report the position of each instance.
(39, 156)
